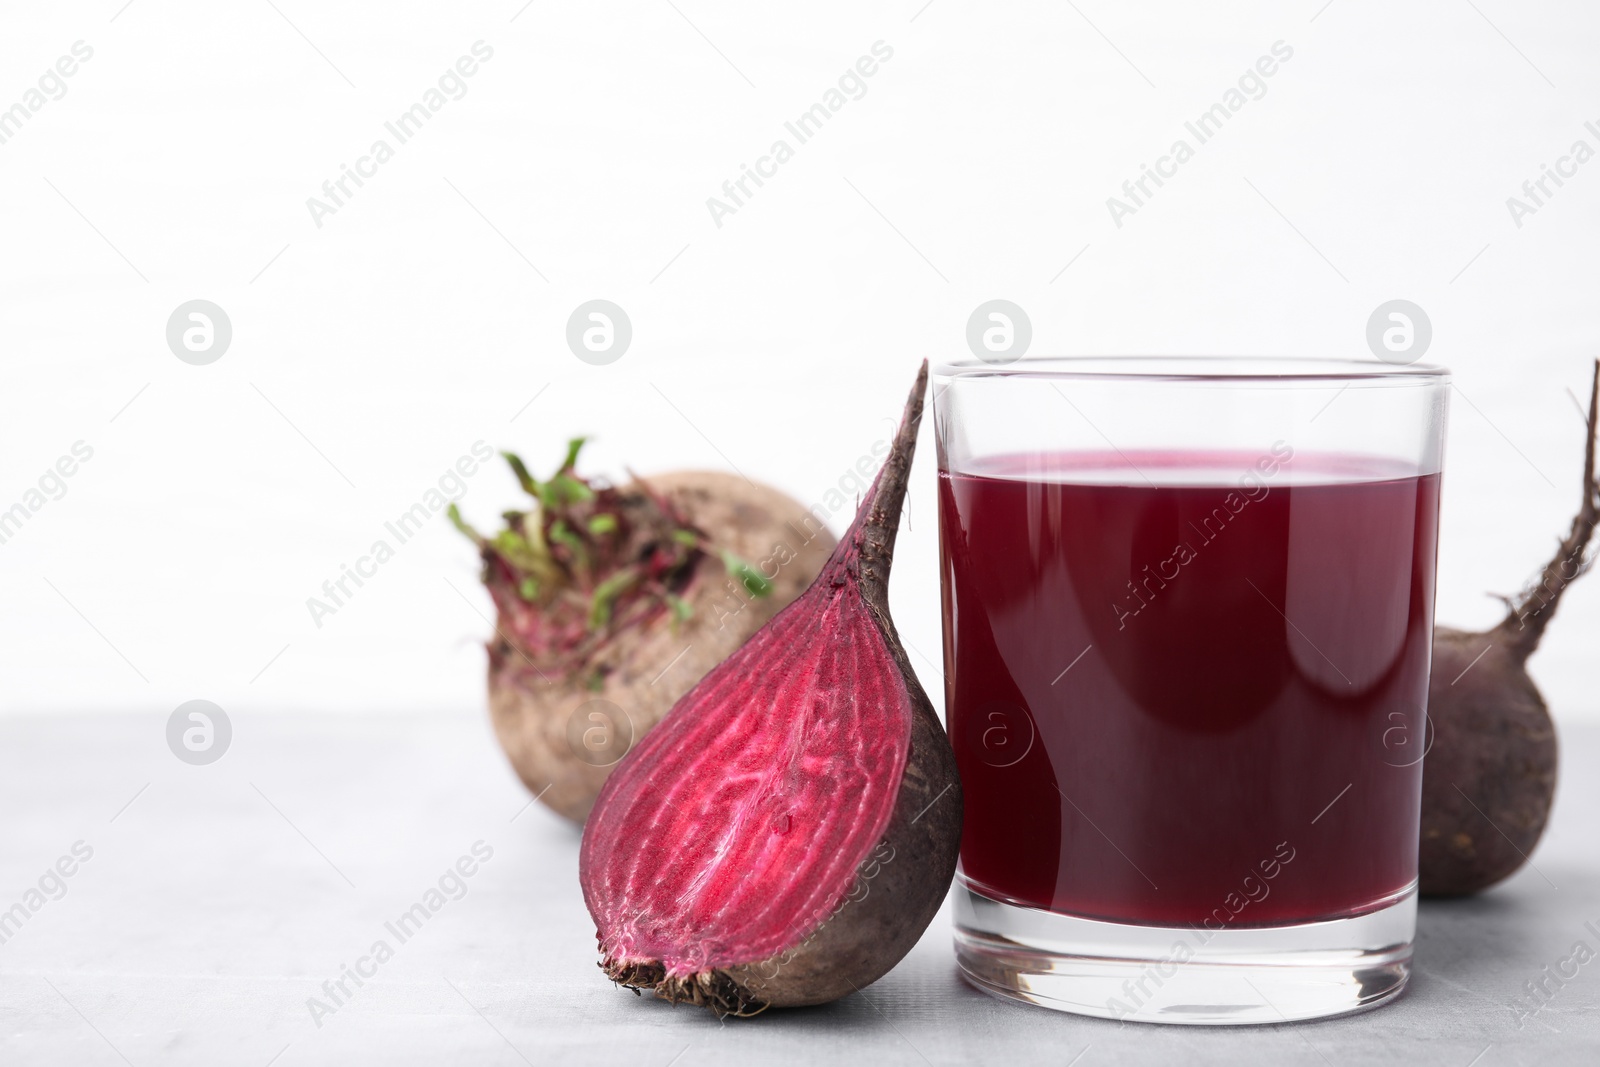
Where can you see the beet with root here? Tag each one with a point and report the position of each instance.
(787, 833)
(612, 602)
(1490, 775)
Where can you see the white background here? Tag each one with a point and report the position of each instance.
(427, 312)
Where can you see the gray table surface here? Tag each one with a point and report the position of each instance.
(218, 899)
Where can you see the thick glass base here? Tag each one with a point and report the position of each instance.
(1163, 974)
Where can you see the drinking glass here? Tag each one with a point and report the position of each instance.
(1188, 615)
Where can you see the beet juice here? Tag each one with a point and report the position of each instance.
(1188, 688)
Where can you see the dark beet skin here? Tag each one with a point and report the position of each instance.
(1490, 776)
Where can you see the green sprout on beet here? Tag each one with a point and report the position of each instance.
(588, 558)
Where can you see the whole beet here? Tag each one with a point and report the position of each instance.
(544, 722)
(1490, 775)
(611, 602)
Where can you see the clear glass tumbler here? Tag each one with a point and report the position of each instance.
(1188, 616)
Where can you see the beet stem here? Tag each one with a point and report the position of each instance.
(873, 532)
(1527, 618)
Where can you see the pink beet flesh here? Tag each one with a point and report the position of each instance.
(736, 826)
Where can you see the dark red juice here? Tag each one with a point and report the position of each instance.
(1189, 689)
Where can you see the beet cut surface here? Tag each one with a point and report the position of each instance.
(785, 835)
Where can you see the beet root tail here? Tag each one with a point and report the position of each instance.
(705, 989)
(1527, 617)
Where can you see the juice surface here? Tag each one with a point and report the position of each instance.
(1189, 689)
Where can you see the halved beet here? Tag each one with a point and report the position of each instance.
(787, 833)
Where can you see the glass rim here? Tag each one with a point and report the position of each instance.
(1198, 368)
